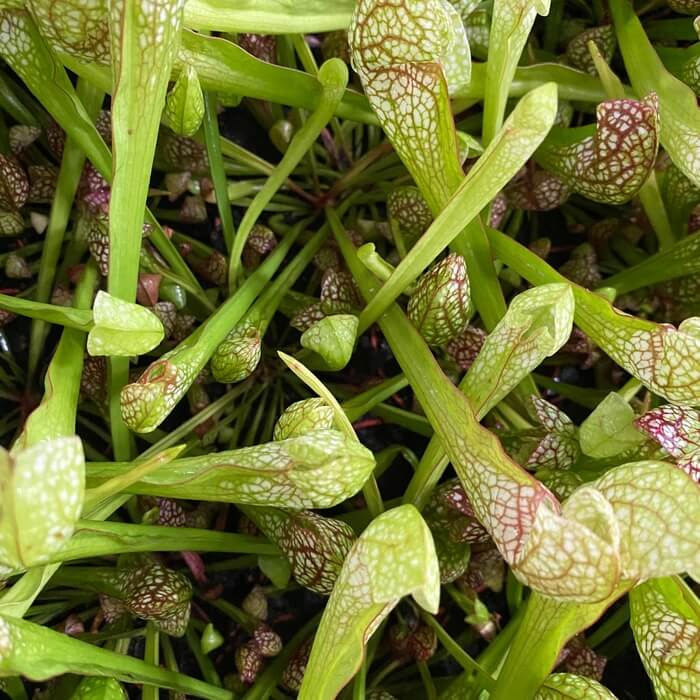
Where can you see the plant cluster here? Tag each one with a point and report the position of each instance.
(350, 349)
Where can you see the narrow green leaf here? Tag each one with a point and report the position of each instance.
(78, 319)
(340, 418)
(676, 261)
(394, 557)
(72, 162)
(333, 76)
(98, 539)
(40, 653)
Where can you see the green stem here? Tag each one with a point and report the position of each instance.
(79, 319)
(457, 653)
(655, 209)
(99, 539)
(514, 592)
(678, 260)
(248, 622)
(265, 307)
(360, 404)
(552, 26)
(203, 661)
(169, 653)
(333, 76)
(10, 103)
(610, 625)
(216, 167)
(150, 656)
(428, 684)
(546, 626)
(61, 205)
(55, 416)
